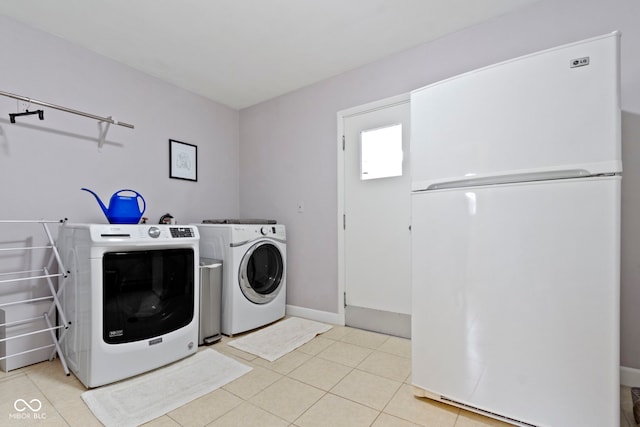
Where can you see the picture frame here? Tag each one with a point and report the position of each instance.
(183, 160)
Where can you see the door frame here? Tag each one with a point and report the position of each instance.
(341, 116)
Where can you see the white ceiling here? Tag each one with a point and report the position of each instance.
(242, 52)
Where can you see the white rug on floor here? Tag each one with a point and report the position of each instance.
(276, 340)
(146, 397)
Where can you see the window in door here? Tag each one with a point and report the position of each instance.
(381, 152)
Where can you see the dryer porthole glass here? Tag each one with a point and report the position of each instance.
(146, 294)
(261, 273)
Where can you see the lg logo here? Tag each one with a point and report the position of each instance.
(579, 62)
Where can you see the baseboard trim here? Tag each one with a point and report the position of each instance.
(629, 377)
(317, 315)
(384, 322)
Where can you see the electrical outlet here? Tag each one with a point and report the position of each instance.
(300, 207)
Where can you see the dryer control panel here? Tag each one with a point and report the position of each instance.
(139, 233)
(181, 232)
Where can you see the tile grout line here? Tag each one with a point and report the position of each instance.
(35, 384)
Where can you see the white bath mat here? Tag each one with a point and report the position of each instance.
(149, 396)
(276, 340)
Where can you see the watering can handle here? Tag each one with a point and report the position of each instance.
(144, 203)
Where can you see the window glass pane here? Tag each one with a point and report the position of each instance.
(381, 152)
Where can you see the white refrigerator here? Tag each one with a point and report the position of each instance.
(516, 173)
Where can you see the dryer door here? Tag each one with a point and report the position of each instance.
(147, 293)
(261, 272)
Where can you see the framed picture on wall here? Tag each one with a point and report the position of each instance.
(183, 160)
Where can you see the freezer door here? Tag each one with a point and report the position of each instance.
(516, 299)
(541, 112)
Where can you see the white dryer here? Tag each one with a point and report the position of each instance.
(132, 298)
(253, 269)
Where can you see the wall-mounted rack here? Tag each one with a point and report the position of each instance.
(29, 326)
(103, 132)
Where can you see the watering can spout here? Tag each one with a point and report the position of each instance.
(102, 206)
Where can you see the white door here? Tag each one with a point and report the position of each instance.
(376, 220)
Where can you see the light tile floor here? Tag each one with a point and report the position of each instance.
(345, 377)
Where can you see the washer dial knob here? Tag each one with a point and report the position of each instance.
(154, 232)
(264, 231)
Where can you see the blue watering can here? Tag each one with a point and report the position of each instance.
(122, 209)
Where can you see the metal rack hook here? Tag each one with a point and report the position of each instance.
(103, 132)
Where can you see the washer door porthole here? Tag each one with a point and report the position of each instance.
(261, 273)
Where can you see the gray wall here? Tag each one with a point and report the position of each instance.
(43, 164)
(288, 145)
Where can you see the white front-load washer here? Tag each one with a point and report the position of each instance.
(253, 270)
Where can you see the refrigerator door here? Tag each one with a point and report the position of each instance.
(557, 110)
(516, 300)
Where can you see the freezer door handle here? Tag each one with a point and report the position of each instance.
(510, 178)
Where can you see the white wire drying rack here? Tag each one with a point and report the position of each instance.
(45, 273)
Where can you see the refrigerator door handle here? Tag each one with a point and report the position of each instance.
(510, 178)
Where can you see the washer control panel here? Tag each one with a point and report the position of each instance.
(268, 229)
(250, 232)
